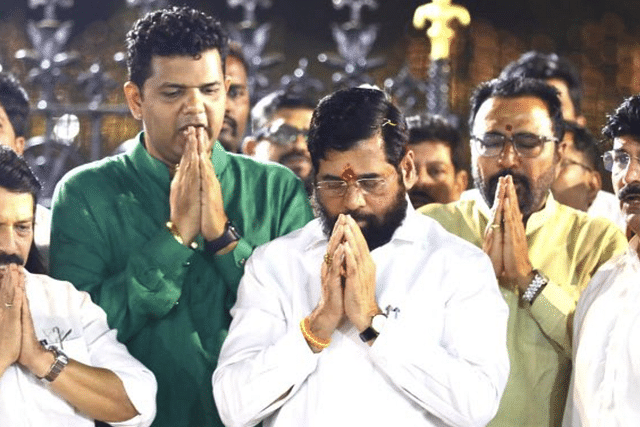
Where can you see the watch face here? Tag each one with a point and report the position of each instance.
(378, 322)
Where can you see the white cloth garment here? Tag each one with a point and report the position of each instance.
(605, 385)
(441, 359)
(66, 318)
(607, 205)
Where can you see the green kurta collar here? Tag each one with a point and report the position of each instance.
(149, 165)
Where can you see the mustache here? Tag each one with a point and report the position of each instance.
(517, 179)
(231, 123)
(628, 191)
(6, 259)
(426, 197)
(293, 155)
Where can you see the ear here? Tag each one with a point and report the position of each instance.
(134, 99)
(249, 146)
(581, 120)
(461, 182)
(408, 168)
(595, 185)
(227, 83)
(19, 145)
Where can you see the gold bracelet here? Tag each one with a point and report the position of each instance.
(176, 235)
(308, 335)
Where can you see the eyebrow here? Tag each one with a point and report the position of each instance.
(168, 85)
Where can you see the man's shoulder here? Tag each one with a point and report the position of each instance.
(583, 220)
(100, 173)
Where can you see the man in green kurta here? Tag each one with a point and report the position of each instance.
(543, 253)
(159, 235)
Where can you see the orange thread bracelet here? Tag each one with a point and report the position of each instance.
(315, 341)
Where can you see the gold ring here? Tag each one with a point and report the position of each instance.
(328, 259)
(495, 226)
(8, 305)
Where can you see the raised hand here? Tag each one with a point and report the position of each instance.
(518, 271)
(213, 218)
(327, 315)
(11, 293)
(184, 196)
(360, 278)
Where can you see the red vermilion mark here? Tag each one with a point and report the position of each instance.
(508, 128)
(348, 174)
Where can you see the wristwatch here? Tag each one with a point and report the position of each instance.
(377, 323)
(535, 287)
(229, 235)
(61, 361)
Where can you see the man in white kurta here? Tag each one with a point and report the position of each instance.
(60, 364)
(429, 346)
(605, 385)
(66, 318)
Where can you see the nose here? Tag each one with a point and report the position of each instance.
(632, 173)
(7, 240)
(193, 103)
(508, 157)
(424, 178)
(300, 143)
(354, 198)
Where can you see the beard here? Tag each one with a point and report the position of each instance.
(377, 229)
(531, 195)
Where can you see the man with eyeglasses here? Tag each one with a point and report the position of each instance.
(605, 385)
(280, 123)
(578, 181)
(543, 252)
(364, 316)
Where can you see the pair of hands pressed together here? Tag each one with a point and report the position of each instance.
(505, 240)
(195, 198)
(18, 341)
(348, 282)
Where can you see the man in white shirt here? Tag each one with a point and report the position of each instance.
(371, 314)
(605, 386)
(60, 364)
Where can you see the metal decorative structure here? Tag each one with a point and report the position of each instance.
(300, 82)
(146, 6)
(253, 39)
(354, 42)
(407, 91)
(54, 153)
(440, 13)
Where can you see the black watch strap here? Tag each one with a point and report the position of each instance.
(368, 334)
(229, 235)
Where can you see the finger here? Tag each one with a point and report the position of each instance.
(498, 206)
(358, 242)
(513, 199)
(337, 235)
(8, 284)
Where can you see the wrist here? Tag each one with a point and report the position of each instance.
(175, 232)
(40, 363)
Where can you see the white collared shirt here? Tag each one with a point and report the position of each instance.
(66, 318)
(605, 385)
(441, 359)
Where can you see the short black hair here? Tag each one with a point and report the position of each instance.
(348, 116)
(16, 175)
(15, 101)
(538, 65)
(625, 120)
(585, 143)
(235, 50)
(515, 87)
(172, 31)
(266, 108)
(428, 127)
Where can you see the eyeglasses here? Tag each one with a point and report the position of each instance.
(617, 160)
(570, 162)
(525, 144)
(338, 187)
(281, 133)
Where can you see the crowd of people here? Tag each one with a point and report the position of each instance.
(323, 261)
